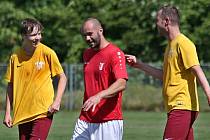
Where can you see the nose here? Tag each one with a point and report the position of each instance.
(38, 36)
(87, 38)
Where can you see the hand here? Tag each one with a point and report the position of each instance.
(91, 102)
(54, 108)
(131, 59)
(7, 121)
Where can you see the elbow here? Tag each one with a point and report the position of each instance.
(123, 85)
(123, 88)
(63, 78)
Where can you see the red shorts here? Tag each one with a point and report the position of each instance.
(179, 125)
(35, 130)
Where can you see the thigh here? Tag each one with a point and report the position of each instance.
(81, 131)
(25, 130)
(111, 130)
(178, 124)
(41, 128)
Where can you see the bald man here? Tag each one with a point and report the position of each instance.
(105, 78)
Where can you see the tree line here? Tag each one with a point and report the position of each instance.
(128, 23)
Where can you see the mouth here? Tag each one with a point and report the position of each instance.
(35, 42)
(91, 43)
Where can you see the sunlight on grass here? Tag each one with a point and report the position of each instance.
(137, 126)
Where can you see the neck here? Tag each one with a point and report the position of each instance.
(173, 33)
(29, 50)
(103, 43)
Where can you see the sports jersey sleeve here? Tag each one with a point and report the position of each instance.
(55, 65)
(118, 65)
(8, 75)
(188, 54)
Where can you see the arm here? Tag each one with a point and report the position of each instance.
(117, 86)
(149, 70)
(198, 72)
(9, 100)
(60, 90)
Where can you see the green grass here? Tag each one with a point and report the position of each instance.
(137, 126)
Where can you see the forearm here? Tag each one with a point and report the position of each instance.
(149, 70)
(116, 87)
(202, 79)
(205, 85)
(8, 105)
(9, 98)
(61, 87)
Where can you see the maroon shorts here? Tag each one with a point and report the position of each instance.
(179, 125)
(35, 130)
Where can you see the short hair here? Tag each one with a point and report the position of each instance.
(171, 12)
(28, 25)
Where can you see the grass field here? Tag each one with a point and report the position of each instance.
(137, 126)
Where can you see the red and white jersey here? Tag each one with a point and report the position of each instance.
(101, 69)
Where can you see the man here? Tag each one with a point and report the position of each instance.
(30, 90)
(105, 78)
(180, 70)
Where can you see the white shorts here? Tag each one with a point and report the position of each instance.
(110, 130)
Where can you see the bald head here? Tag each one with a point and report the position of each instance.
(93, 22)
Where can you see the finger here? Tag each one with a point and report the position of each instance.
(51, 111)
(7, 124)
(127, 55)
(87, 106)
(10, 124)
(87, 103)
(93, 109)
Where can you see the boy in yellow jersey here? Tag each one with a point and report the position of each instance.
(180, 71)
(30, 90)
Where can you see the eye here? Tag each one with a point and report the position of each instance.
(89, 34)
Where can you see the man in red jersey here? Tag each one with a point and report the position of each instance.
(105, 78)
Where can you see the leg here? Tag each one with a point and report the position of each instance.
(81, 131)
(25, 130)
(190, 135)
(179, 124)
(41, 128)
(111, 130)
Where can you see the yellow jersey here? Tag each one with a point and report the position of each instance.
(179, 83)
(31, 77)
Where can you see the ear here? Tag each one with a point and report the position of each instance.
(167, 21)
(101, 30)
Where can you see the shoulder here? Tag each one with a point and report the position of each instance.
(184, 41)
(47, 50)
(114, 49)
(16, 53)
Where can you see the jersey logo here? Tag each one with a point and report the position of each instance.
(39, 65)
(101, 65)
(171, 52)
(179, 103)
(120, 60)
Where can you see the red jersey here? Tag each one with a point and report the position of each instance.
(101, 69)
